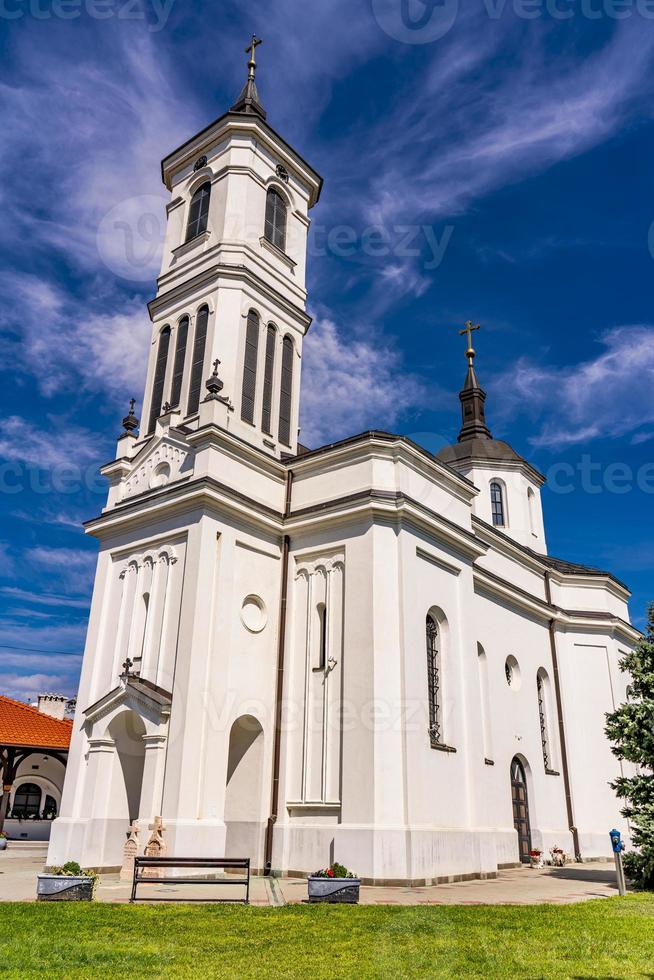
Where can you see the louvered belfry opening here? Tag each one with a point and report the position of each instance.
(268, 376)
(159, 378)
(275, 224)
(180, 358)
(286, 392)
(198, 215)
(250, 367)
(197, 364)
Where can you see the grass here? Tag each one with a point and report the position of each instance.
(608, 938)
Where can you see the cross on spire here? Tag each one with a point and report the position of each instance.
(469, 327)
(251, 50)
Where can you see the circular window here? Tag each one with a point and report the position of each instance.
(253, 613)
(160, 475)
(512, 672)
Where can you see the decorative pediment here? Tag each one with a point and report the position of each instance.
(164, 463)
(147, 699)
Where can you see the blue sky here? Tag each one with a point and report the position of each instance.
(484, 159)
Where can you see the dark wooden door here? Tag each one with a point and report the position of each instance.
(520, 809)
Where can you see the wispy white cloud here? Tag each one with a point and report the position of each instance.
(351, 384)
(607, 396)
(24, 441)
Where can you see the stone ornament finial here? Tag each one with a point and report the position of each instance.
(213, 384)
(130, 422)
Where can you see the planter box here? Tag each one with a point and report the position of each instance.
(64, 888)
(344, 890)
(3, 843)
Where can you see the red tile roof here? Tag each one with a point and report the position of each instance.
(20, 724)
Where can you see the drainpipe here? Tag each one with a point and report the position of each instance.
(281, 652)
(559, 711)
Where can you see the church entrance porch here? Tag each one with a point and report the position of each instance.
(520, 803)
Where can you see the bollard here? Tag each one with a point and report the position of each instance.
(618, 847)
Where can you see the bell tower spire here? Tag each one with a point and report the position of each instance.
(248, 101)
(472, 396)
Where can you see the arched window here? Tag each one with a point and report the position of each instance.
(250, 367)
(482, 663)
(542, 687)
(49, 808)
(286, 392)
(531, 504)
(27, 801)
(159, 377)
(268, 375)
(497, 504)
(180, 357)
(198, 213)
(275, 224)
(434, 680)
(197, 364)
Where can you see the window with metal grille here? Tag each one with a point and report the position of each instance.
(197, 364)
(198, 213)
(159, 378)
(180, 357)
(434, 680)
(275, 223)
(268, 375)
(27, 801)
(286, 392)
(250, 367)
(497, 504)
(542, 717)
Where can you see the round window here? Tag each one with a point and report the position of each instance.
(253, 613)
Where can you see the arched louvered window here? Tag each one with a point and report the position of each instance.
(198, 213)
(180, 357)
(434, 680)
(268, 376)
(197, 364)
(159, 377)
(497, 504)
(286, 392)
(275, 225)
(250, 367)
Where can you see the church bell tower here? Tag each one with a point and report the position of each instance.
(232, 281)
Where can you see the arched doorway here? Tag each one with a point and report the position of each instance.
(127, 731)
(243, 818)
(520, 803)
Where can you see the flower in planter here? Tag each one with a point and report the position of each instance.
(335, 870)
(535, 853)
(3, 836)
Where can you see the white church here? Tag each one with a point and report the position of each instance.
(360, 652)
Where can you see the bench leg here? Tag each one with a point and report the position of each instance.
(133, 895)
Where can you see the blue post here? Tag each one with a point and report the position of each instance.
(618, 847)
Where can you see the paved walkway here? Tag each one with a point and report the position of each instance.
(20, 864)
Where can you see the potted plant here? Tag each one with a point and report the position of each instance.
(334, 884)
(558, 856)
(3, 841)
(536, 858)
(66, 884)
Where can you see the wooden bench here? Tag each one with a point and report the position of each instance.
(141, 864)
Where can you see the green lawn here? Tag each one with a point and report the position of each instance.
(608, 938)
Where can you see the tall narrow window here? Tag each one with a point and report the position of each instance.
(198, 213)
(531, 504)
(322, 648)
(286, 392)
(250, 367)
(180, 357)
(497, 504)
(197, 364)
(275, 225)
(159, 377)
(268, 375)
(541, 686)
(482, 662)
(434, 681)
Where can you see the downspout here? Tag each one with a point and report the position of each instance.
(559, 711)
(281, 652)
